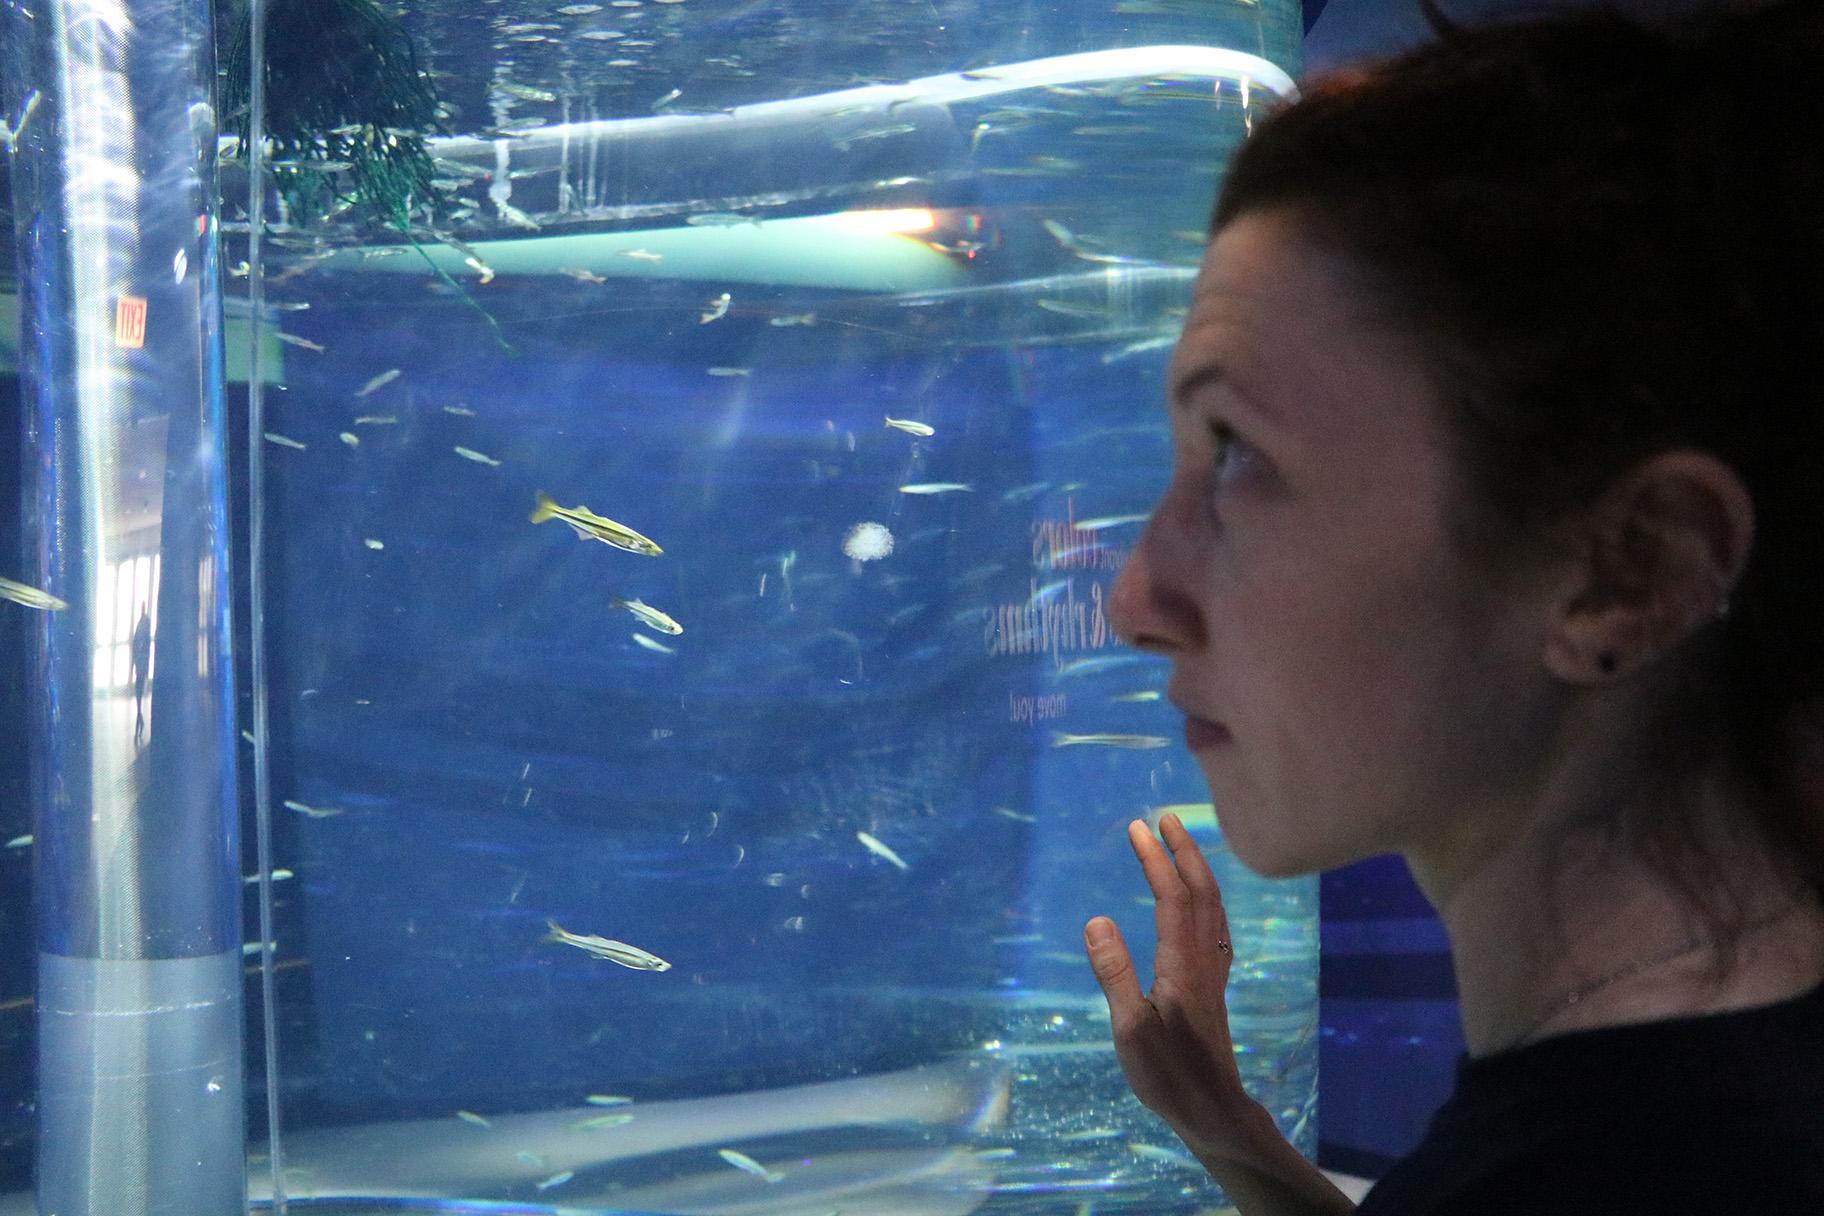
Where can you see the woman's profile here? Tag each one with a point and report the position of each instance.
(1495, 538)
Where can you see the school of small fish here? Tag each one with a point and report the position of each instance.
(863, 542)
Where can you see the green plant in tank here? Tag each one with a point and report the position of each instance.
(346, 117)
(345, 102)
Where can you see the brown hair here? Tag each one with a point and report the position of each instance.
(1609, 236)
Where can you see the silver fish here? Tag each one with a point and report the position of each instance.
(742, 1161)
(1138, 742)
(524, 92)
(1110, 521)
(315, 812)
(649, 615)
(910, 427)
(602, 947)
(935, 487)
(880, 850)
(381, 381)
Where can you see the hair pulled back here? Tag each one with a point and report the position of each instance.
(1608, 235)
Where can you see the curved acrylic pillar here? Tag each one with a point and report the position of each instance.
(136, 876)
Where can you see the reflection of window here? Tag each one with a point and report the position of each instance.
(126, 586)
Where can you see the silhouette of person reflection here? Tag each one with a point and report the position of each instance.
(142, 657)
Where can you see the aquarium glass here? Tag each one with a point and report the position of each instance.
(695, 456)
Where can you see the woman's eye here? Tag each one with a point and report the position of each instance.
(1226, 442)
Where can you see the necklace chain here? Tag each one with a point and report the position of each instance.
(1571, 1001)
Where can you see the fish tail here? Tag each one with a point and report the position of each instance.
(557, 931)
(546, 508)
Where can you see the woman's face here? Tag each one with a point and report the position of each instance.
(1296, 572)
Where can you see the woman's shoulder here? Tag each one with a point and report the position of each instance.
(1709, 1112)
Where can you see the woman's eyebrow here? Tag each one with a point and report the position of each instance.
(1191, 381)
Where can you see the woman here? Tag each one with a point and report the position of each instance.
(1494, 538)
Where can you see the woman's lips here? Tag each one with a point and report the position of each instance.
(1200, 733)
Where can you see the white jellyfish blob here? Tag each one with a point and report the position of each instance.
(867, 541)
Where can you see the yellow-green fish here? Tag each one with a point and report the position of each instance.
(350, 438)
(609, 1099)
(591, 526)
(649, 615)
(651, 644)
(375, 420)
(602, 947)
(469, 1116)
(880, 850)
(31, 597)
(461, 411)
(742, 1161)
(283, 441)
(294, 340)
(1151, 694)
(935, 487)
(1138, 742)
(557, 1179)
(315, 812)
(381, 381)
(599, 1121)
(478, 457)
(911, 428)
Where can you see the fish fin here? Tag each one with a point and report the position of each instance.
(546, 508)
(617, 602)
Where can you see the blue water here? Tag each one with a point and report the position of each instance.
(489, 747)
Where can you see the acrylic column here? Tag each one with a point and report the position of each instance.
(136, 878)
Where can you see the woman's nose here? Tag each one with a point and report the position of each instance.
(1149, 605)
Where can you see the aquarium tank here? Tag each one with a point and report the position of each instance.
(557, 611)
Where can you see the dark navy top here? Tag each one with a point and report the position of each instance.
(1710, 1115)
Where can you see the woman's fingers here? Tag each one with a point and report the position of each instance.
(1171, 902)
(1210, 921)
(1113, 966)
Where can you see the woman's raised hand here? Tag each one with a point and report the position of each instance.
(1173, 1042)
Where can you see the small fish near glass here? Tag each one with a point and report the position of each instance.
(603, 947)
(590, 526)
